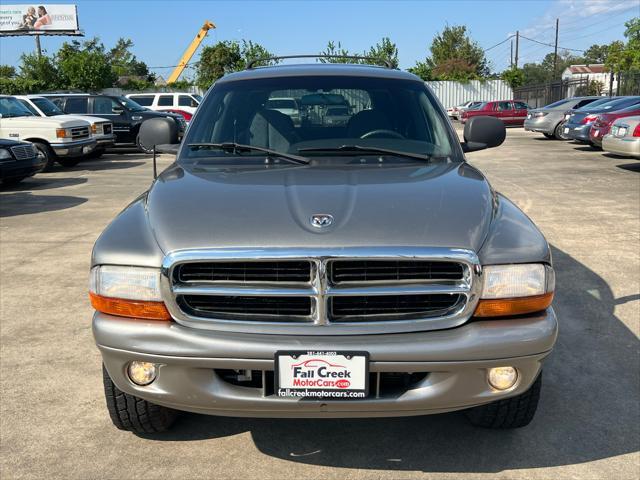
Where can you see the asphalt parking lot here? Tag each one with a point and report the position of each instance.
(54, 423)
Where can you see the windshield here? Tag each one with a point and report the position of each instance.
(398, 115)
(557, 104)
(47, 107)
(11, 107)
(597, 103)
(131, 105)
(620, 103)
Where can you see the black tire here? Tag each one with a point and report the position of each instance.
(548, 135)
(68, 162)
(134, 414)
(559, 132)
(48, 154)
(141, 147)
(514, 412)
(95, 154)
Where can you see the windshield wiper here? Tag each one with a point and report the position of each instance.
(364, 149)
(232, 147)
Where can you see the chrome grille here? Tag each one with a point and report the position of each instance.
(78, 133)
(22, 152)
(322, 291)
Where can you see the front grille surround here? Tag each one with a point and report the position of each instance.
(78, 133)
(321, 290)
(23, 152)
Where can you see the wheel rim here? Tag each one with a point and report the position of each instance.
(560, 131)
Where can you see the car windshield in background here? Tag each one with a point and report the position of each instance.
(11, 107)
(592, 105)
(297, 115)
(47, 107)
(131, 105)
(558, 103)
(620, 103)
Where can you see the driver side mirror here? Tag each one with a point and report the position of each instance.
(483, 132)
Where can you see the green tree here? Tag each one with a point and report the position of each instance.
(596, 54)
(7, 71)
(422, 70)
(179, 85)
(40, 69)
(254, 51)
(626, 57)
(335, 50)
(125, 63)
(384, 51)
(514, 77)
(85, 66)
(217, 60)
(454, 56)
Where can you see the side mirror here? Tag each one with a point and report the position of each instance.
(483, 132)
(117, 110)
(158, 131)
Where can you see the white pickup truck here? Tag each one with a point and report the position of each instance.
(101, 128)
(62, 141)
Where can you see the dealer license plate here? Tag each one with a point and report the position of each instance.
(322, 374)
(566, 130)
(622, 131)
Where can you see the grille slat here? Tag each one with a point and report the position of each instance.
(398, 270)
(278, 271)
(22, 152)
(388, 305)
(215, 305)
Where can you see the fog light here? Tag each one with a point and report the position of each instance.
(142, 373)
(502, 378)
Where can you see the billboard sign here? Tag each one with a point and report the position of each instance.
(38, 19)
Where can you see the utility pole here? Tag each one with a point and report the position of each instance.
(38, 48)
(555, 51)
(517, 45)
(511, 55)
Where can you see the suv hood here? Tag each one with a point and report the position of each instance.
(438, 205)
(51, 122)
(85, 118)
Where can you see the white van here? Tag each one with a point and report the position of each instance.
(187, 102)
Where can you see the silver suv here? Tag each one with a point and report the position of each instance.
(359, 269)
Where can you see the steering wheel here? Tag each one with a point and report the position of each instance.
(382, 133)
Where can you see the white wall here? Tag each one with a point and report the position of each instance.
(452, 93)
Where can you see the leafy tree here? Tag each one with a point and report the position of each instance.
(124, 62)
(254, 51)
(7, 71)
(85, 66)
(217, 60)
(596, 54)
(180, 85)
(454, 56)
(626, 57)
(384, 51)
(40, 69)
(514, 77)
(422, 70)
(335, 49)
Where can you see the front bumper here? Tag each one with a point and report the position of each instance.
(455, 362)
(104, 141)
(578, 132)
(74, 149)
(21, 168)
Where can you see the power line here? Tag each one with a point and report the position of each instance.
(500, 43)
(551, 44)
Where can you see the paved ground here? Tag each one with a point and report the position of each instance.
(53, 422)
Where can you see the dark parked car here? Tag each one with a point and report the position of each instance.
(18, 160)
(126, 115)
(580, 121)
(511, 112)
(362, 269)
(602, 125)
(549, 120)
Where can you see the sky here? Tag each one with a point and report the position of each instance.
(161, 30)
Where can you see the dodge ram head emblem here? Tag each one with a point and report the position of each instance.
(321, 220)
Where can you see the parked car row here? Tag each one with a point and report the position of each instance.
(591, 120)
(66, 128)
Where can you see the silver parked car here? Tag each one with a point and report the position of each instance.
(314, 271)
(624, 137)
(549, 120)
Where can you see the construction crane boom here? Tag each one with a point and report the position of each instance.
(191, 49)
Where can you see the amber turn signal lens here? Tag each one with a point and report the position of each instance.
(130, 308)
(61, 133)
(513, 306)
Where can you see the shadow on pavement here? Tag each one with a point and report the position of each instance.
(586, 148)
(588, 410)
(24, 203)
(44, 182)
(632, 167)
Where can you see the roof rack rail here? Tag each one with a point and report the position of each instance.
(374, 61)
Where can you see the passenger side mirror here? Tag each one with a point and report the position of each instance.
(159, 135)
(483, 132)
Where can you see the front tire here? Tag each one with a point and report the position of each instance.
(134, 414)
(68, 162)
(48, 155)
(548, 135)
(514, 412)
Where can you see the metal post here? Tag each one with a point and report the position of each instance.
(517, 45)
(511, 55)
(611, 84)
(38, 48)
(555, 51)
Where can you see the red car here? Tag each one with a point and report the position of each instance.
(186, 115)
(511, 112)
(603, 122)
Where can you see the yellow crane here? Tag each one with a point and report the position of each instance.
(191, 49)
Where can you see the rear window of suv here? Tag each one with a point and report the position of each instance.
(393, 114)
(144, 100)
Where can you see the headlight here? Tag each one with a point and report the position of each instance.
(515, 289)
(127, 291)
(4, 154)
